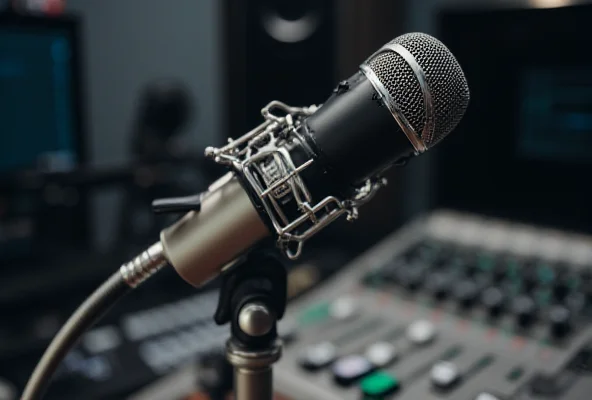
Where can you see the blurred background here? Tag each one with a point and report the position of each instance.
(107, 105)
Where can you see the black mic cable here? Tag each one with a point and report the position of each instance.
(293, 175)
(88, 313)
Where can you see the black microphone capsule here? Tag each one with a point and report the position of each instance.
(405, 99)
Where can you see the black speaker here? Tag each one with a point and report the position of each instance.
(277, 50)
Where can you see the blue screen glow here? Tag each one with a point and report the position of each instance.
(36, 104)
(556, 115)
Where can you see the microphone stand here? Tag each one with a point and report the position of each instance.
(253, 298)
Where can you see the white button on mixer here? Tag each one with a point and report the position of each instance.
(344, 308)
(444, 374)
(486, 396)
(318, 356)
(421, 332)
(381, 354)
(102, 339)
(350, 368)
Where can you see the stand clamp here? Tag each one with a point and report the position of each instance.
(253, 299)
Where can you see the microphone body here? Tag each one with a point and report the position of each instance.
(202, 242)
(351, 137)
(355, 134)
(299, 171)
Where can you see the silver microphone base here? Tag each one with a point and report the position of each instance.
(253, 375)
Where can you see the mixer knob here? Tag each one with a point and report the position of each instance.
(587, 290)
(421, 332)
(486, 396)
(438, 284)
(575, 302)
(411, 277)
(465, 292)
(425, 251)
(344, 308)
(445, 375)
(318, 356)
(561, 285)
(586, 275)
(493, 300)
(524, 308)
(560, 290)
(529, 277)
(560, 321)
(499, 272)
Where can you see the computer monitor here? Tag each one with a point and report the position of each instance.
(524, 149)
(39, 101)
(40, 132)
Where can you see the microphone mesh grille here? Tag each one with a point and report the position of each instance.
(399, 79)
(445, 78)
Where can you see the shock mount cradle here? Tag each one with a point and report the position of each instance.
(253, 298)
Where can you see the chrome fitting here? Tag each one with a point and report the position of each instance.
(144, 265)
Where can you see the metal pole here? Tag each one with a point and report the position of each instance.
(253, 384)
(253, 376)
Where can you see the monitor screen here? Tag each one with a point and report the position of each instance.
(524, 149)
(40, 131)
(555, 114)
(37, 107)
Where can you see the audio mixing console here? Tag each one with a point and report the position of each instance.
(453, 306)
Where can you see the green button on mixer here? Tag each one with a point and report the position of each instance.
(545, 274)
(513, 270)
(485, 262)
(379, 384)
(314, 314)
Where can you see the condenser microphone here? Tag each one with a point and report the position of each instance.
(289, 178)
(304, 167)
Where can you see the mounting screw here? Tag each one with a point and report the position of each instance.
(255, 319)
(342, 87)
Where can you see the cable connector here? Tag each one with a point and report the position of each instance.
(144, 265)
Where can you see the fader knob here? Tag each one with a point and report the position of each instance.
(560, 321)
(465, 293)
(524, 308)
(492, 299)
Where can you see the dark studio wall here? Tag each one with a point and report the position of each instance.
(422, 15)
(127, 44)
